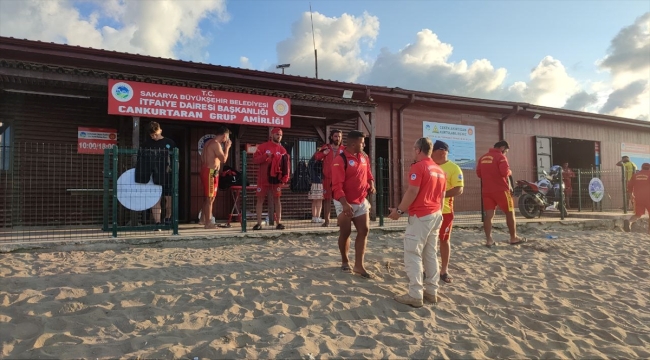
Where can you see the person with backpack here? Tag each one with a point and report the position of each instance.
(352, 180)
(316, 192)
(327, 153)
(273, 172)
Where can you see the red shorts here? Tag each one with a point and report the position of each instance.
(447, 224)
(262, 190)
(502, 199)
(327, 188)
(640, 207)
(210, 181)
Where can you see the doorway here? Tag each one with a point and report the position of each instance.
(382, 151)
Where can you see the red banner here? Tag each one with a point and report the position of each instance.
(174, 102)
(95, 140)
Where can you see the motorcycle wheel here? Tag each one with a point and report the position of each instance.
(528, 207)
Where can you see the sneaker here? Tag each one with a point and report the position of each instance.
(257, 227)
(432, 299)
(158, 229)
(280, 227)
(408, 300)
(168, 221)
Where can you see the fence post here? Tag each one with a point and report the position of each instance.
(481, 195)
(114, 173)
(175, 169)
(380, 200)
(624, 189)
(579, 190)
(562, 205)
(243, 190)
(600, 176)
(593, 204)
(106, 174)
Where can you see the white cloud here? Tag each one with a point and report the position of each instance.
(339, 41)
(163, 28)
(245, 63)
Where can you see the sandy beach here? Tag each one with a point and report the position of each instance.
(582, 295)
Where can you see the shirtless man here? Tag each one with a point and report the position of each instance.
(215, 153)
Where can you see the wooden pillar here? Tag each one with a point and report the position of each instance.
(135, 140)
(367, 120)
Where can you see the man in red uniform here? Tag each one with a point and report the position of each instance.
(327, 153)
(639, 187)
(264, 156)
(493, 170)
(424, 201)
(567, 175)
(352, 180)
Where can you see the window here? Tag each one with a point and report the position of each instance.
(5, 147)
(306, 148)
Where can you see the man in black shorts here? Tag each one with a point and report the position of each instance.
(160, 149)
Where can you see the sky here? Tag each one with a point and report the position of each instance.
(581, 55)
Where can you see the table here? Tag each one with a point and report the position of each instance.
(235, 193)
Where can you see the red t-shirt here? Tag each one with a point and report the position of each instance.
(639, 185)
(493, 170)
(566, 177)
(431, 180)
(260, 157)
(354, 182)
(328, 159)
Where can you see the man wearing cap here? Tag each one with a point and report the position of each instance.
(264, 156)
(639, 187)
(493, 170)
(327, 153)
(630, 169)
(454, 188)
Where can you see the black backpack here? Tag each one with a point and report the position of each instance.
(230, 177)
(301, 182)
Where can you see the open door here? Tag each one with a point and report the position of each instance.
(544, 154)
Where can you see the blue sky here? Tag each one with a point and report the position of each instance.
(511, 34)
(542, 52)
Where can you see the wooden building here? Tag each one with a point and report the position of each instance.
(48, 91)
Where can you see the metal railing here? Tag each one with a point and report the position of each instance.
(51, 192)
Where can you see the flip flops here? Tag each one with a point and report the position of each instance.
(521, 241)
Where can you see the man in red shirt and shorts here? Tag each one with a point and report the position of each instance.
(423, 200)
(264, 156)
(639, 187)
(327, 153)
(352, 180)
(493, 170)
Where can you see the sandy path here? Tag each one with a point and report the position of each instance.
(584, 295)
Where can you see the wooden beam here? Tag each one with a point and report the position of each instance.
(365, 120)
(339, 107)
(135, 139)
(321, 133)
(22, 73)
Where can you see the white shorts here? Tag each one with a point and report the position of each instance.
(357, 209)
(316, 192)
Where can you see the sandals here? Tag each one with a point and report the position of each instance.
(280, 227)
(346, 269)
(446, 278)
(521, 241)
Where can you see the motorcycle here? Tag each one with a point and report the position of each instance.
(545, 194)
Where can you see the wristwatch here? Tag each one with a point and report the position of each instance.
(400, 212)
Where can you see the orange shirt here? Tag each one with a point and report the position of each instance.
(431, 180)
(639, 185)
(328, 159)
(260, 157)
(353, 182)
(493, 170)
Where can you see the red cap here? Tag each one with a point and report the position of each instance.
(276, 131)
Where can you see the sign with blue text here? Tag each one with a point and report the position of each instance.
(460, 138)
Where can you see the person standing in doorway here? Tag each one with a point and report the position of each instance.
(423, 201)
(454, 188)
(567, 175)
(327, 153)
(161, 147)
(494, 171)
(630, 170)
(267, 155)
(215, 153)
(639, 187)
(352, 180)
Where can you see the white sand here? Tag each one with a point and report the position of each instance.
(584, 295)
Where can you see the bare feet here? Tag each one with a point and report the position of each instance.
(518, 241)
(361, 271)
(211, 226)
